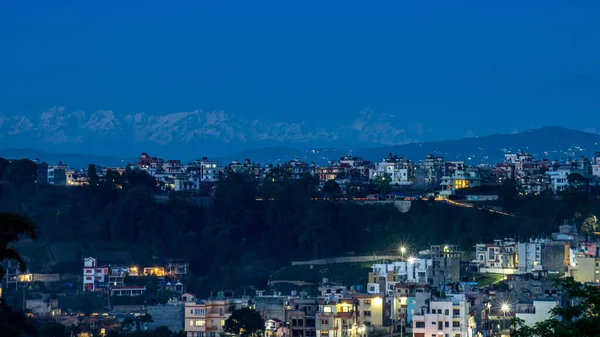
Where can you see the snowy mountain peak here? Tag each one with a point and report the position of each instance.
(208, 131)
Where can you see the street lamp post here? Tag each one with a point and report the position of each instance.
(402, 252)
(505, 308)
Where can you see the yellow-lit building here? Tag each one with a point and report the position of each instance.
(206, 318)
(353, 316)
(154, 271)
(459, 179)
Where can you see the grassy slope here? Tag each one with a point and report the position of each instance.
(344, 273)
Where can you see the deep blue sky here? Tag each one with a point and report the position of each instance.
(452, 66)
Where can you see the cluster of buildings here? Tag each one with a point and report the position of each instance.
(425, 294)
(434, 174)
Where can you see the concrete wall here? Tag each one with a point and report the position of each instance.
(271, 307)
(46, 278)
(402, 205)
(346, 259)
(170, 315)
(554, 256)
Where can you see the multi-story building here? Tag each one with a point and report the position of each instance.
(500, 255)
(542, 254)
(399, 170)
(595, 164)
(210, 169)
(384, 277)
(337, 318)
(459, 179)
(433, 167)
(534, 311)
(408, 297)
(206, 318)
(303, 316)
(530, 255)
(177, 268)
(444, 316)
(57, 175)
(94, 275)
(445, 267)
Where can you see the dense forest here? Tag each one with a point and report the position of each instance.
(251, 228)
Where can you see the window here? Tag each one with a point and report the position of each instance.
(367, 313)
(213, 334)
(456, 324)
(222, 322)
(433, 323)
(446, 324)
(456, 312)
(439, 311)
(200, 322)
(367, 302)
(88, 278)
(446, 312)
(420, 325)
(327, 309)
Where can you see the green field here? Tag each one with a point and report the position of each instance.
(344, 273)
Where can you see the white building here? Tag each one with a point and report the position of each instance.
(446, 316)
(558, 178)
(535, 311)
(596, 164)
(500, 255)
(93, 274)
(530, 255)
(400, 171)
(384, 277)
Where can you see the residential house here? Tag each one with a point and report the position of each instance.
(384, 277)
(447, 316)
(177, 268)
(206, 318)
(94, 275)
(501, 255)
(302, 316)
(408, 297)
(459, 179)
(127, 290)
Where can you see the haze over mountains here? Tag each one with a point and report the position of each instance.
(210, 133)
(106, 138)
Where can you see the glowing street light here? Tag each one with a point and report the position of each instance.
(411, 259)
(504, 308)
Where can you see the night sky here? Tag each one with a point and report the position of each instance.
(445, 69)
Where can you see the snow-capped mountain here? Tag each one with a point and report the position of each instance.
(208, 132)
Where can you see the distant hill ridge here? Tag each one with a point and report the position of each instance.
(553, 142)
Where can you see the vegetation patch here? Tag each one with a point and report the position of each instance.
(343, 273)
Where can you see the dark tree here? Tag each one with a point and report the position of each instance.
(21, 171)
(580, 318)
(3, 165)
(12, 227)
(13, 323)
(92, 174)
(245, 323)
(331, 189)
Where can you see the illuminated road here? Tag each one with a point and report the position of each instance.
(460, 204)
